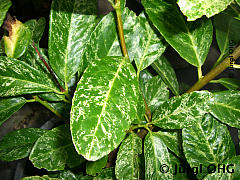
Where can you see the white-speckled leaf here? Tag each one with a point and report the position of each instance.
(96, 167)
(104, 105)
(17, 78)
(182, 111)
(18, 144)
(127, 164)
(54, 150)
(45, 177)
(71, 23)
(143, 45)
(167, 73)
(195, 9)
(207, 142)
(155, 92)
(8, 106)
(226, 107)
(191, 40)
(156, 154)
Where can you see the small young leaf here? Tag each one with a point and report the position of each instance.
(104, 105)
(18, 144)
(157, 160)
(127, 164)
(18, 40)
(226, 107)
(4, 6)
(167, 73)
(207, 142)
(95, 167)
(182, 111)
(67, 41)
(155, 92)
(54, 150)
(191, 40)
(45, 177)
(196, 9)
(17, 78)
(8, 106)
(229, 83)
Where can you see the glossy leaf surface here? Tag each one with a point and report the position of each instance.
(95, 167)
(207, 142)
(167, 73)
(182, 111)
(18, 144)
(229, 83)
(155, 92)
(54, 150)
(226, 107)
(156, 154)
(17, 78)
(8, 106)
(4, 6)
(127, 164)
(104, 105)
(196, 9)
(18, 40)
(45, 177)
(71, 23)
(143, 45)
(191, 40)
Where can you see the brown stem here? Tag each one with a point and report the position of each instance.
(216, 71)
(49, 68)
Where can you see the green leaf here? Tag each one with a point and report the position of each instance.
(68, 175)
(229, 83)
(127, 164)
(226, 107)
(4, 6)
(207, 142)
(170, 139)
(8, 106)
(143, 45)
(18, 144)
(175, 165)
(67, 41)
(54, 150)
(104, 105)
(167, 73)
(155, 92)
(191, 40)
(95, 167)
(232, 170)
(196, 9)
(182, 111)
(18, 40)
(107, 174)
(144, 76)
(45, 177)
(17, 78)
(156, 156)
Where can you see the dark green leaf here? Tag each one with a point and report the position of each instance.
(17, 78)
(68, 175)
(144, 76)
(18, 40)
(4, 6)
(143, 45)
(18, 144)
(226, 107)
(71, 23)
(207, 142)
(196, 9)
(8, 106)
(232, 170)
(182, 111)
(167, 73)
(107, 174)
(45, 177)
(156, 156)
(104, 105)
(51, 97)
(95, 167)
(155, 92)
(54, 150)
(37, 28)
(229, 83)
(191, 40)
(127, 164)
